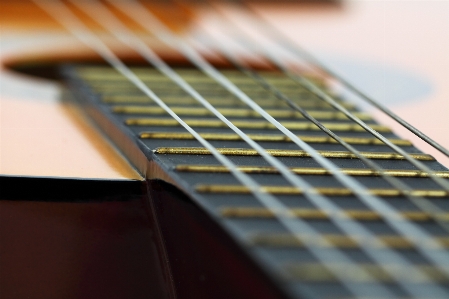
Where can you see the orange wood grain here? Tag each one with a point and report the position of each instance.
(25, 15)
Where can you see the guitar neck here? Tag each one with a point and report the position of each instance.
(181, 170)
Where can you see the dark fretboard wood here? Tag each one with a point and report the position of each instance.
(175, 156)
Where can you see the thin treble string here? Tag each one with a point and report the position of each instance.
(310, 86)
(438, 256)
(156, 27)
(104, 17)
(281, 212)
(281, 39)
(381, 257)
(421, 202)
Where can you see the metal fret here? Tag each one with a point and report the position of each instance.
(287, 190)
(310, 171)
(102, 75)
(340, 241)
(191, 76)
(253, 90)
(285, 153)
(227, 100)
(318, 273)
(233, 112)
(313, 214)
(269, 138)
(214, 123)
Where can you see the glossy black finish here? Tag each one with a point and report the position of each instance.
(79, 241)
(68, 190)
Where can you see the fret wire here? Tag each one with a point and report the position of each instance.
(312, 171)
(316, 273)
(282, 153)
(234, 112)
(257, 124)
(268, 138)
(283, 240)
(314, 214)
(402, 226)
(281, 39)
(420, 202)
(267, 103)
(330, 191)
(212, 74)
(62, 14)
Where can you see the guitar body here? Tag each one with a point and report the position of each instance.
(78, 220)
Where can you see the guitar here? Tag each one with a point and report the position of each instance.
(106, 232)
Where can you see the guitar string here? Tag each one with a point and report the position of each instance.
(421, 202)
(304, 82)
(281, 39)
(104, 17)
(440, 258)
(69, 20)
(350, 227)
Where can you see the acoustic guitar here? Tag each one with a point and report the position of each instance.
(169, 149)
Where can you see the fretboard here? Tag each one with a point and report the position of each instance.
(162, 149)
